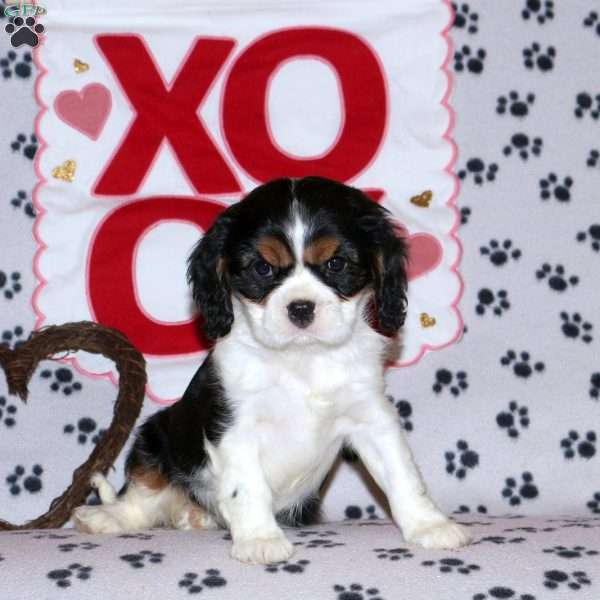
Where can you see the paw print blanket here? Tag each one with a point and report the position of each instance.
(154, 119)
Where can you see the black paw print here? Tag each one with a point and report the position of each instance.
(502, 592)
(85, 427)
(296, 567)
(474, 61)
(356, 592)
(63, 577)
(452, 565)
(467, 459)
(404, 409)
(573, 552)
(465, 213)
(137, 536)
(464, 509)
(499, 254)
(592, 21)
(523, 146)
(522, 366)
(593, 159)
(594, 503)
(550, 186)
(355, 512)
(10, 285)
(535, 57)
(32, 482)
(444, 379)
(465, 18)
(21, 67)
(24, 31)
(595, 383)
(514, 494)
(496, 302)
(28, 148)
(318, 539)
(573, 326)
(585, 103)
(393, 554)
(516, 106)
(213, 579)
(539, 9)
(594, 235)
(554, 579)
(514, 417)
(63, 380)
(11, 338)
(21, 201)
(476, 169)
(557, 280)
(139, 560)
(69, 547)
(573, 445)
(7, 413)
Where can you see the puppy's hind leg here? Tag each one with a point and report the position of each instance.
(104, 488)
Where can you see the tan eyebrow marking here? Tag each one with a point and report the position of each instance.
(274, 251)
(321, 250)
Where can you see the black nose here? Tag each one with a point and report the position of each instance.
(301, 312)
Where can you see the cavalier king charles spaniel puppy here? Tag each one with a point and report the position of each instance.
(290, 282)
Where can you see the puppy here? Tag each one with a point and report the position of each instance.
(286, 281)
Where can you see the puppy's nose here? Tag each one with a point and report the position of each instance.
(301, 312)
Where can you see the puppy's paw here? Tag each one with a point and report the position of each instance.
(262, 551)
(95, 519)
(444, 535)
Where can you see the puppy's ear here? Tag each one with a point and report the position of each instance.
(208, 276)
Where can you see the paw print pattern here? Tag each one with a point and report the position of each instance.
(296, 567)
(594, 236)
(22, 201)
(393, 554)
(17, 65)
(465, 18)
(488, 300)
(514, 104)
(10, 285)
(570, 553)
(356, 512)
(522, 365)
(62, 380)
(523, 146)
(502, 592)
(515, 493)
(7, 413)
(534, 57)
(585, 103)
(592, 22)
(573, 445)
(11, 338)
(213, 579)
(28, 148)
(593, 159)
(85, 427)
(69, 547)
(467, 459)
(32, 483)
(64, 577)
(555, 579)
(24, 31)
(595, 383)
(541, 10)
(556, 277)
(464, 509)
(404, 409)
(356, 592)
(477, 169)
(552, 187)
(451, 565)
(574, 327)
(140, 559)
(317, 539)
(594, 504)
(474, 61)
(445, 379)
(516, 416)
(499, 254)
(465, 213)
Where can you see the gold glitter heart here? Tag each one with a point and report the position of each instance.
(427, 320)
(66, 171)
(80, 66)
(423, 200)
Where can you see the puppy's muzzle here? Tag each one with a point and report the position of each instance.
(301, 313)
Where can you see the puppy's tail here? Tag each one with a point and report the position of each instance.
(106, 492)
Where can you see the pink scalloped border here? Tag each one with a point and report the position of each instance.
(40, 317)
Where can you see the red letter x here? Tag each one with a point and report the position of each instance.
(163, 112)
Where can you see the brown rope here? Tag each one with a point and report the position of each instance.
(19, 365)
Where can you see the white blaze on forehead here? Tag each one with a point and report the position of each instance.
(297, 233)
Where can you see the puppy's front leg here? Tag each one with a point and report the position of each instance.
(246, 503)
(383, 448)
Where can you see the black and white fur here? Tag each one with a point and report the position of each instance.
(290, 282)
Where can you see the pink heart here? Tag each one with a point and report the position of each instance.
(87, 110)
(424, 250)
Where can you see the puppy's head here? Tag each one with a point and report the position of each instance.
(300, 260)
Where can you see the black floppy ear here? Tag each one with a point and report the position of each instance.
(210, 286)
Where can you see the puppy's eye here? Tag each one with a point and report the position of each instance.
(263, 268)
(336, 264)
